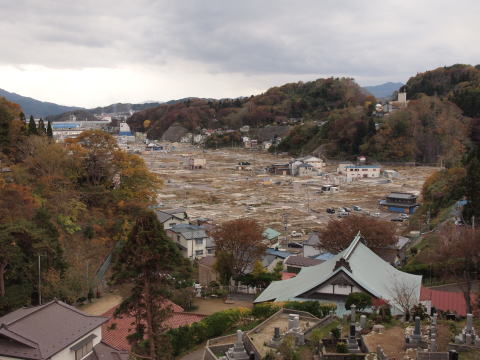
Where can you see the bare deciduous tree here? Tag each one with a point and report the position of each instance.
(404, 295)
(459, 255)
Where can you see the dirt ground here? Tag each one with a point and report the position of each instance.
(102, 305)
(220, 192)
(392, 342)
(210, 306)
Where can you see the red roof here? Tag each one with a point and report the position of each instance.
(445, 300)
(288, 275)
(117, 336)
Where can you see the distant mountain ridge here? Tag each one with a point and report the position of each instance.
(35, 107)
(44, 109)
(383, 90)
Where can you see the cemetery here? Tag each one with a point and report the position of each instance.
(356, 335)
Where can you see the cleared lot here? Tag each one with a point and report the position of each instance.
(220, 192)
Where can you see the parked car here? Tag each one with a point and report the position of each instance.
(399, 219)
(356, 208)
(347, 209)
(295, 245)
(404, 216)
(331, 210)
(342, 214)
(295, 234)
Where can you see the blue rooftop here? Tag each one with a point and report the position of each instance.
(362, 166)
(278, 253)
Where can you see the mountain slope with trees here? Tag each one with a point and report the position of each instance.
(68, 204)
(308, 101)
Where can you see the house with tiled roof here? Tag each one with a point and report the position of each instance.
(192, 240)
(116, 330)
(171, 217)
(355, 269)
(54, 331)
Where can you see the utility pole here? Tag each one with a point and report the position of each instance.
(39, 282)
(285, 226)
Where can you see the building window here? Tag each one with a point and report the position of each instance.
(199, 252)
(84, 350)
(178, 237)
(199, 241)
(210, 251)
(172, 224)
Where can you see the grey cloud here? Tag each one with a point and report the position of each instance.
(360, 38)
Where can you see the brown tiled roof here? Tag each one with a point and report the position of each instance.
(40, 332)
(297, 260)
(116, 330)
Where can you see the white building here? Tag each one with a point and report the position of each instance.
(314, 161)
(171, 217)
(192, 240)
(196, 163)
(354, 172)
(341, 168)
(54, 331)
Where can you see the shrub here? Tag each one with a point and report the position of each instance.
(336, 333)
(313, 307)
(419, 310)
(342, 347)
(263, 311)
(361, 300)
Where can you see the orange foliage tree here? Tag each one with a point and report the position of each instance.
(242, 241)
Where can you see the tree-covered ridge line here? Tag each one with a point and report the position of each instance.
(307, 100)
(67, 203)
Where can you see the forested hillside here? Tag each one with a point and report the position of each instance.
(310, 101)
(431, 129)
(67, 203)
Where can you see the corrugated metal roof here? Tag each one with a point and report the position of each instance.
(445, 300)
(270, 234)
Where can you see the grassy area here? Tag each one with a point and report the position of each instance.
(324, 331)
(469, 355)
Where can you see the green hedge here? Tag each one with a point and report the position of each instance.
(224, 322)
(313, 307)
(217, 324)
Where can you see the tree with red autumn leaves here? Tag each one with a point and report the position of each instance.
(339, 233)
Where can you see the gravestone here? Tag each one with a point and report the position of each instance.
(363, 321)
(237, 352)
(276, 339)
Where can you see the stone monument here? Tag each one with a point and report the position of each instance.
(237, 352)
(416, 337)
(468, 335)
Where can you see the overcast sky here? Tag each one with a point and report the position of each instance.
(97, 52)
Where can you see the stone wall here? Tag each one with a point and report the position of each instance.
(425, 355)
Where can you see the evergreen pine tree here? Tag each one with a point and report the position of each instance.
(41, 130)
(472, 186)
(49, 129)
(32, 127)
(148, 260)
